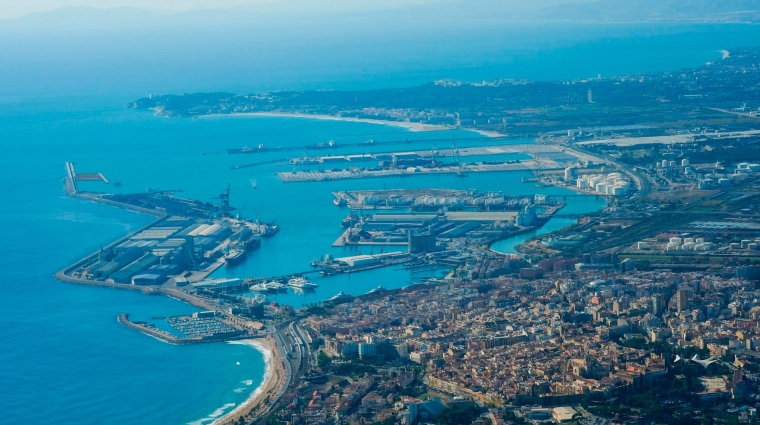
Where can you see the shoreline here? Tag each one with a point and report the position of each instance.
(269, 383)
(412, 126)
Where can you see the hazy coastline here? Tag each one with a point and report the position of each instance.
(411, 126)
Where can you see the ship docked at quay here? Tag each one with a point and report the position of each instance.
(301, 283)
(235, 256)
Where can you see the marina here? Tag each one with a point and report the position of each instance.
(203, 325)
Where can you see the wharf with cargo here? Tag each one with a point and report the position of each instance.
(176, 253)
(445, 161)
(447, 220)
(187, 242)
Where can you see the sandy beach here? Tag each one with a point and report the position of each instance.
(412, 126)
(269, 385)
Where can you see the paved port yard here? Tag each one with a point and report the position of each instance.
(545, 157)
(313, 176)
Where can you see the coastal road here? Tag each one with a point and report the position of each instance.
(287, 335)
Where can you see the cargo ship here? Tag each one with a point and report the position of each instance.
(253, 243)
(329, 145)
(248, 149)
(349, 221)
(234, 256)
(248, 240)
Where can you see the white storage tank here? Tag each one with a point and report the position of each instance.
(745, 243)
(724, 182)
(641, 245)
(754, 167)
(684, 162)
(739, 177)
(700, 240)
(688, 240)
(735, 245)
(754, 246)
(689, 246)
(569, 173)
(676, 241)
(672, 163)
(707, 246)
(664, 163)
(618, 191)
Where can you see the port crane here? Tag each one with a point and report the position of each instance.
(224, 203)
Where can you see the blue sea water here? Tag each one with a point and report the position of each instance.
(64, 357)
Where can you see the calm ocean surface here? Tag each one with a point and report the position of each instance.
(64, 357)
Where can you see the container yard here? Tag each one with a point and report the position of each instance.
(433, 220)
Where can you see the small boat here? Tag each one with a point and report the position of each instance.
(340, 202)
(270, 230)
(301, 283)
(234, 256)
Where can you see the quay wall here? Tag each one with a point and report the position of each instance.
(288, 177)
(88, 197)
(171, 339)
(63, 275)
(124, 320)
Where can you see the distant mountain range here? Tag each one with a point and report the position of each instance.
(662, 10)
(449, 10)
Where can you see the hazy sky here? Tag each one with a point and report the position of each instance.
(15, 8)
